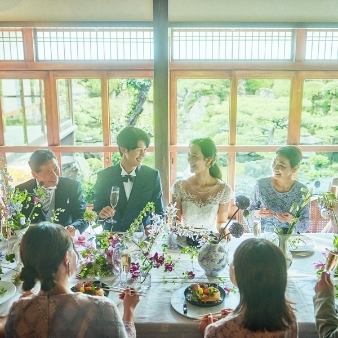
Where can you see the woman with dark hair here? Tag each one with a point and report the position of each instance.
(48, 255)
(259, 272)
(273, 197)
(203, 198)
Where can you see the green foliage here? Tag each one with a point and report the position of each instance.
(254, 84)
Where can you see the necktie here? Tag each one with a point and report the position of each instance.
(127, 178)
(45, 204)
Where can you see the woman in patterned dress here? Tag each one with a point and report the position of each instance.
(259, 272)
(203, 198)
(273, 197)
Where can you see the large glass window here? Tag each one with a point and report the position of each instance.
(80, 111)
(320, 112)
(203, 109)
(131, 104)
(23, 111)
(263, 111)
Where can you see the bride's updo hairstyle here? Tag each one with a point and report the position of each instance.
(42, 249)
(208, 149)
(261, 276)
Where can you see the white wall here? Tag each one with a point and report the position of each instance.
(179, 10)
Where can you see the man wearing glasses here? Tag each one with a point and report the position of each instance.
(138, 184)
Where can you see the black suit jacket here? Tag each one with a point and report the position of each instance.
(68, 196)
(146, 188)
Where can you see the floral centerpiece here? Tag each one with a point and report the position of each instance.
(297, 208)
(328, 206)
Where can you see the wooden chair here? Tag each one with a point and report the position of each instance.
(317, 222)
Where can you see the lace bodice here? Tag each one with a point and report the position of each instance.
(266, 196)
(200, 208)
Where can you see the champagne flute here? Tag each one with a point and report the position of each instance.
(137, 236)
(331, 261)
(125, 263)
(114, 197)
(256, 227)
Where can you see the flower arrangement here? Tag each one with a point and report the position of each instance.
(327, 204)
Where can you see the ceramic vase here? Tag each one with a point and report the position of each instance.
(284, 246)
(213, 258)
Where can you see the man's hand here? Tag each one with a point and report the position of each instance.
(71, 230)
(324, 283)
(107, 212)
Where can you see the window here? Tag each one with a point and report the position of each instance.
(231, 44)
(94, 44)
(23, 111)
(11, 44)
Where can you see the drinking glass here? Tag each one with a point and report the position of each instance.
(125, 262)
(138, 233)
(256, 227)
(270, 232)
(114, 197)
(331, 261)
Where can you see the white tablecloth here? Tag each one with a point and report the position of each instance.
(155, 317)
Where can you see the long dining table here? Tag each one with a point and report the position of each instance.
(160, 311)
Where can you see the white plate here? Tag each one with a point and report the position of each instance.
(299, 243)
(177, 300)
(11, 289)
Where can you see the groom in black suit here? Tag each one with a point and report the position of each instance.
(139, 184)
(63, 192)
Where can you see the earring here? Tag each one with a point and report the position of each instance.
(68, 268)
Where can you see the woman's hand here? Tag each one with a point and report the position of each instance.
(205, 321)
(265, 213)
(324, 283)
(130, 299)
(284, 217)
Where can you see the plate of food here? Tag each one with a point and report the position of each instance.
(204, 294)
(299, 243)
(7, 291)
(95, 288)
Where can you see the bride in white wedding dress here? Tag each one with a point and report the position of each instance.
(202, 199)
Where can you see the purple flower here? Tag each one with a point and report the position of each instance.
(36, 200)
(135, 270)
(242, 202)
(191, 274)
(168, 267)
(319, 265)
(236, 229)
(227, 289)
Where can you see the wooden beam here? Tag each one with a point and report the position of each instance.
(161, 107)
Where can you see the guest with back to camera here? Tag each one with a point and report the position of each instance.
(259, 272)
(48, 255)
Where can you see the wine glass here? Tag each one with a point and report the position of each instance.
(114, 197)
(137, 236)
(270, 232)
(331, 261)
(256, 227)
(138, 233)
(125, 262)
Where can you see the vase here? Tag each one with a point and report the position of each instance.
(284, 246)
(213, 258)
(16, 247)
